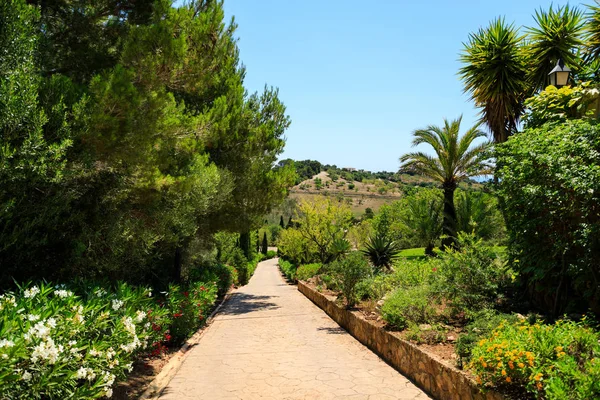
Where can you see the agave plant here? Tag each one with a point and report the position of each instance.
(338, 249)
(381, 251)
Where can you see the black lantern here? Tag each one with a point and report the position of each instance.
(559, 76)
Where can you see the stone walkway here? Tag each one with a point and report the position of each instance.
(271, 342)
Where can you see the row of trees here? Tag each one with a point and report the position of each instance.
(128, 139)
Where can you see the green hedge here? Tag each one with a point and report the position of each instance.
(288, 269)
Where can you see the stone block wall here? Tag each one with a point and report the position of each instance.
(441, 381)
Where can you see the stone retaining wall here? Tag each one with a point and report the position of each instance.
(441, 381)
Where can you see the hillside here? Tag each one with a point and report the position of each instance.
(368, 193)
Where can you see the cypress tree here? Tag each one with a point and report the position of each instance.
(281, 222)
(264, 244)
(290, 223)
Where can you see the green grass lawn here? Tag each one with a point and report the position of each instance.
(417, 252)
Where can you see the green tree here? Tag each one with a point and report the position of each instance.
(323, 222)
(264, 247)
(281, 224)
(494, 75)
(457, 158)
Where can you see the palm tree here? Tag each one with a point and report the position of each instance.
(494, 74)
(457, 159)
(559, 34)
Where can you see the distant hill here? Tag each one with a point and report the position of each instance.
(361, 189)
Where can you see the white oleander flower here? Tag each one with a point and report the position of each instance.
(108, 393)
(39, 330)
(7, 299)
(95, 353)
(110, 353)
(31, 292)
(81, 373)
(78, 318)
(129, 367)
(32, 317)
(100, 292)
(6, 343)
(116, 304)
(63, 293)
(147, 325)
(108, 378)
(46, 350)
(26, 376)
(139, 316)
(51, 322)
(129, 325)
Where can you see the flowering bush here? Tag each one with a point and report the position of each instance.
(62, 343)
(559, 361)
(189, 308)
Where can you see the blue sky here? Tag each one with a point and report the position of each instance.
(358, 77)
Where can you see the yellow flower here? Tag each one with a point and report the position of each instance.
(558, 349)
(538, 376)
(503, 372)
(484, 364)
(478, 379)
(508, 379)
(511, 365)
(521, 365)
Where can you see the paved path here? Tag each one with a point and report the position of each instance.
(271, 342)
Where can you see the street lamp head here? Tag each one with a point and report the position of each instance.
(559, 76)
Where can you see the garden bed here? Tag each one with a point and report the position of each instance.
(429, 371)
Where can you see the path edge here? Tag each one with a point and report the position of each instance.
(439, 380)
(168, 372)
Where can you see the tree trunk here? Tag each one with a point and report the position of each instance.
(177, 265)
(429, 250)
(449, 226)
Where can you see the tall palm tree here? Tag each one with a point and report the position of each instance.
(457, 159)
(495, 76)
(559, 34)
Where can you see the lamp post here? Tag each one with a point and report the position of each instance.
(559, 76)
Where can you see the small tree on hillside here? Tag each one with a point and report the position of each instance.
(281, 222)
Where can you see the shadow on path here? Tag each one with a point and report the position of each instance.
(245, 303)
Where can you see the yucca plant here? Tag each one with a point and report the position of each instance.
(559, 34)
(494, 75)
(381, 250)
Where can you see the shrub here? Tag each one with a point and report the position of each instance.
(560, 361)
(288, 269)
(224, 275)
(550, 186)
(408, 305)
(482, 325)
(351, 186)
(239, 261)
(349, 271)
(428, 334)
(307, 271)
(189, 306)
(271, 254)
(469, 278)
(63, 343)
